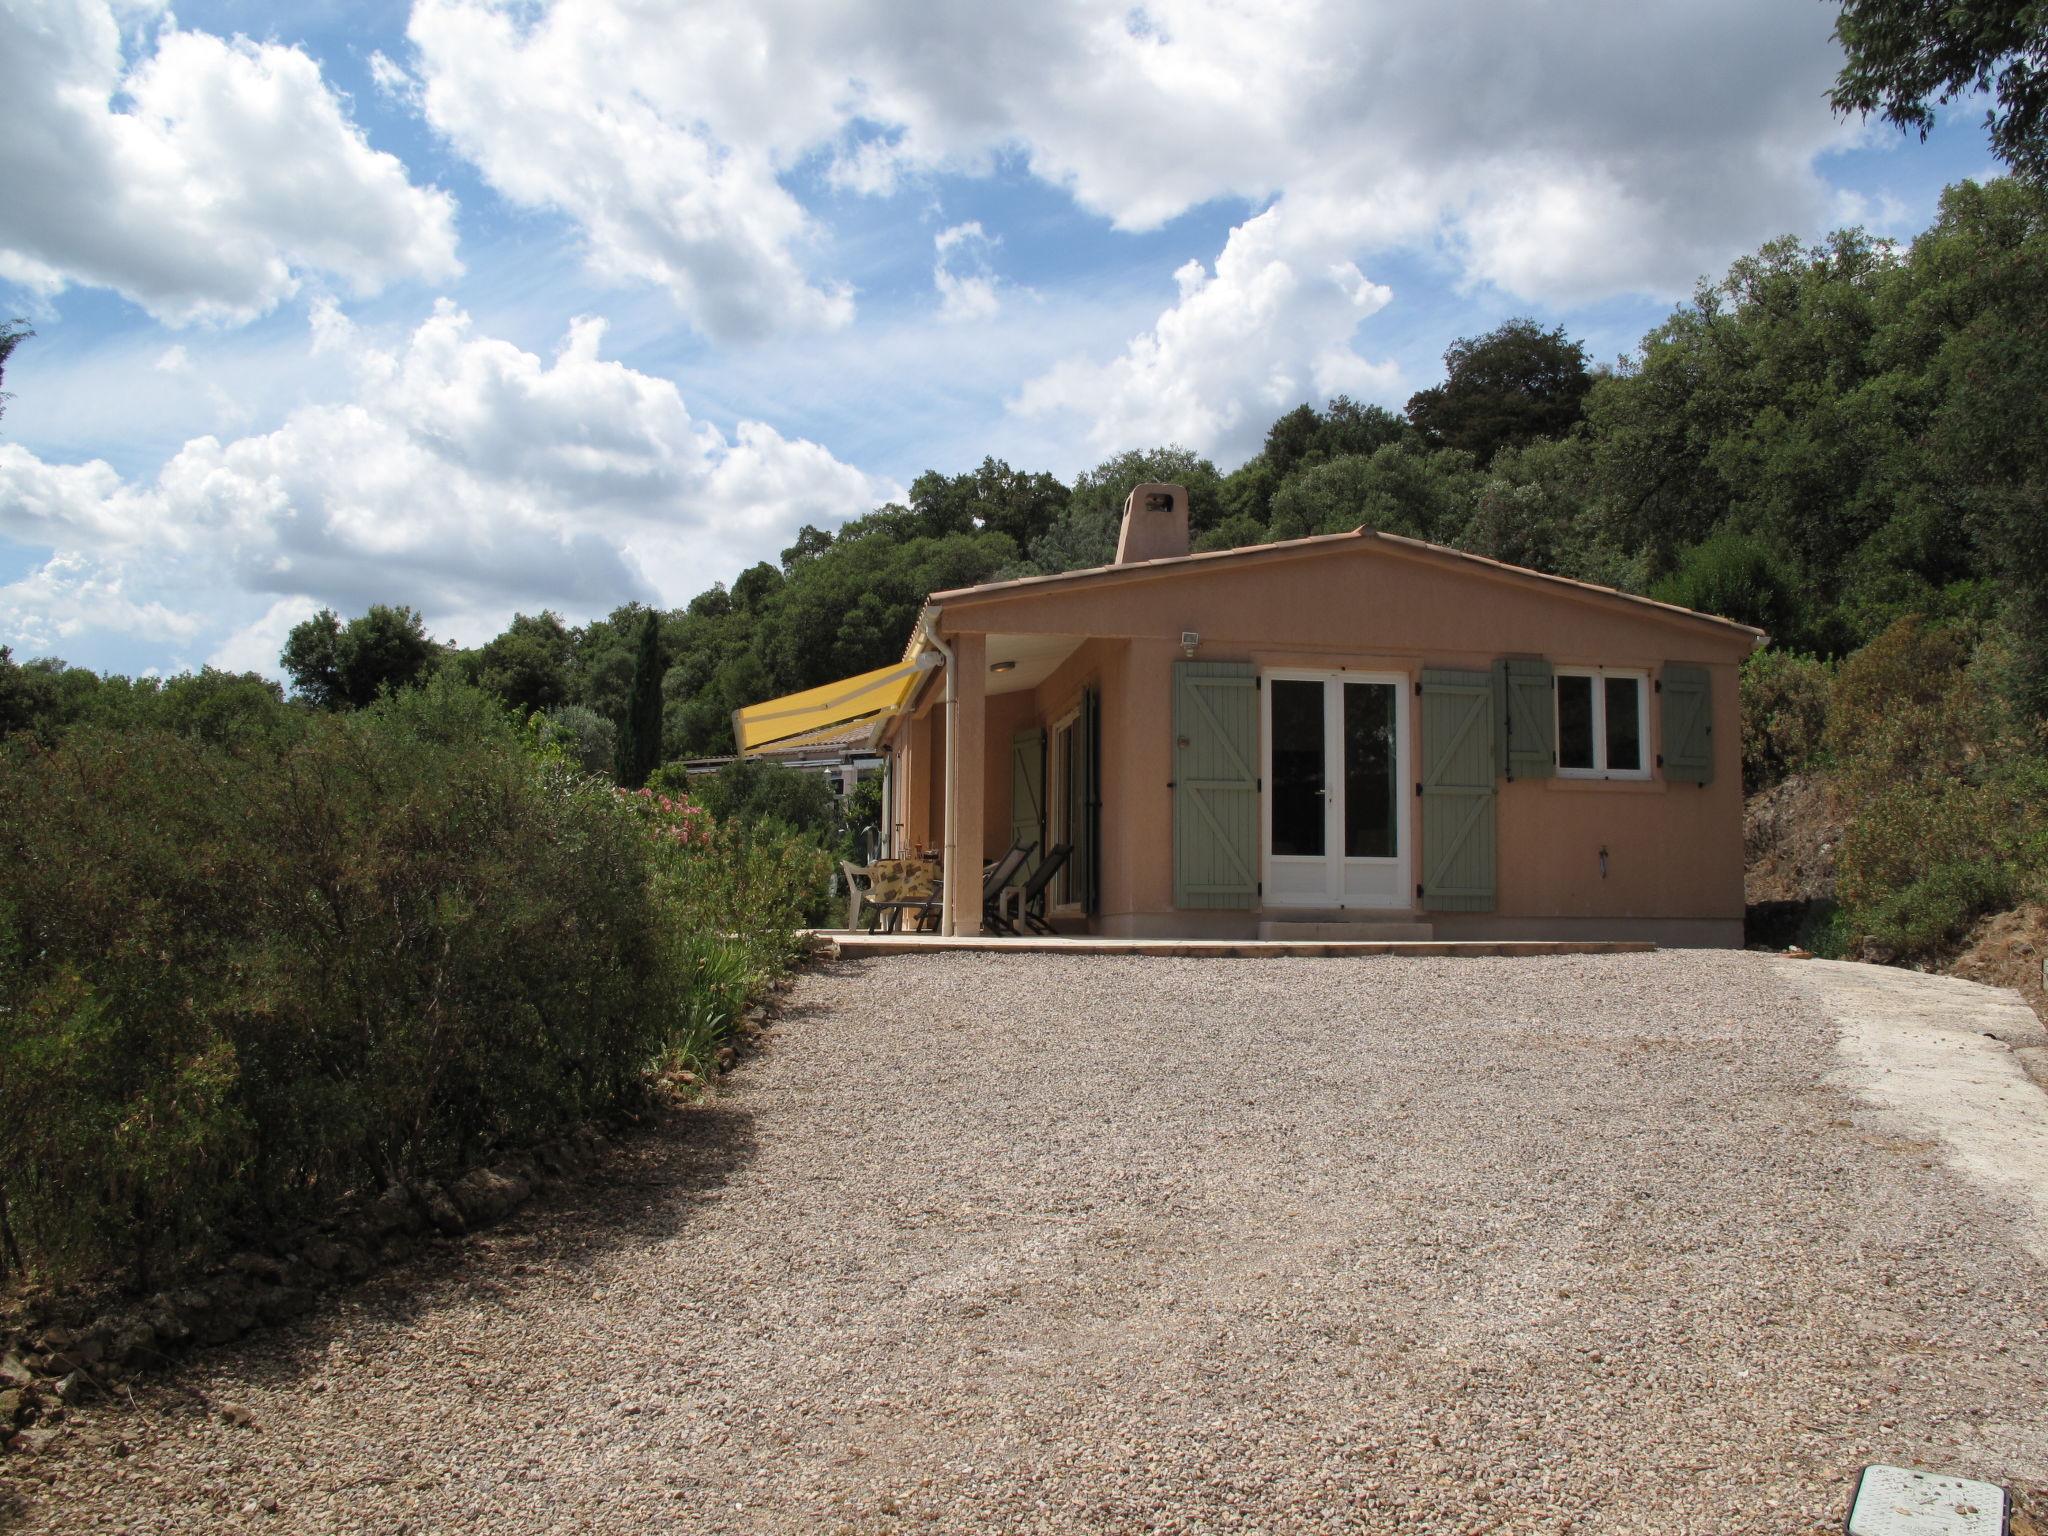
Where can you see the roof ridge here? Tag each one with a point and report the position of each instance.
(1167, 564)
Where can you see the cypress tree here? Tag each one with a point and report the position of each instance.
(639, 750)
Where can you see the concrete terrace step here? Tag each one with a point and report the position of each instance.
(1354, 930)
(858, 945)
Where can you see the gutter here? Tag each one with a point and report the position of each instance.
(930, 621)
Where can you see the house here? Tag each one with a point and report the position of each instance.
(1351, 734)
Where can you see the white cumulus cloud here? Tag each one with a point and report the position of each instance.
(466, 476)
(202, 180)
(1270, 327)
(961, 273)
(671, 182)
(1559, 155)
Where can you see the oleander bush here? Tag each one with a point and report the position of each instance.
(246, 973)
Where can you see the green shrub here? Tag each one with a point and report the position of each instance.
(755, 886)
(1784, 714)
(591, 739)
(1738, 576)
(754, 793)
(1906, 705)
(1929, 915)
(1948, 790)
(236, 985)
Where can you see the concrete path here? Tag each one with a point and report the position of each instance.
(1038, 1243)
(1952, 1057)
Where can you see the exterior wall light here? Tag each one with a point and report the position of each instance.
(1188, 641)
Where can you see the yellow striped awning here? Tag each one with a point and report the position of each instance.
(871, 695)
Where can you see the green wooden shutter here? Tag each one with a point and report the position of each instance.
(1687, 738)
(1457, 790)
(1525, 710)
(1027, 797)
(1215, 785)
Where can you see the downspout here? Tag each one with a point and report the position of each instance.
(931, 633)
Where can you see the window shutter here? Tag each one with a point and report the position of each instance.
(1525, 713)
(1027, 797)
(1458, 761)
(1088, 825)
(1686, 741)
(1215, 785)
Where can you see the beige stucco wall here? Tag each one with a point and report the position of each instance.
(1007, 714)
(1674, 850)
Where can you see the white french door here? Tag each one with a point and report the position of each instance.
(1336, 756)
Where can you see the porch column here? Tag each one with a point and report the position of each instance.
(964, 773)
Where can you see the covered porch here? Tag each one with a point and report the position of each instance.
(999, 748)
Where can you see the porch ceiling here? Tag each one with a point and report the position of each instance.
(1034, 658)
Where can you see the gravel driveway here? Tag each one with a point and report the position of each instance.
(1027, 1243)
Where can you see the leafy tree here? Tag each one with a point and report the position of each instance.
(639, 750)
(1234, 532)
(1979, 279)
(1085, 532)
(1905, 57)
(41, 695)
(1306, 436)
(756, 585)
(811, 542)
(312, 659)
(1516, 383)
(756, 793)
(1765, 402)
(346, 666)
(601, 676)
(593, 739)
(530, 665)
(1402, 488)
(12, 334)
(1737, 576)
(994, 498)
(1535, 507)
(854, 611)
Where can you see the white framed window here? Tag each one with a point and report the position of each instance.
(1603, 723)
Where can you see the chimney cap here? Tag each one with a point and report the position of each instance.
(1155, 525)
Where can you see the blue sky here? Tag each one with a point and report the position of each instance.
(493, 305)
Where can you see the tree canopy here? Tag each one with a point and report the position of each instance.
(1516, 383)
(639, 740)
(1906, 57)
(334, 665)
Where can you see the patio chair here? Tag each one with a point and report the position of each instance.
(998, 875)
(1032, 904)
(859, 886)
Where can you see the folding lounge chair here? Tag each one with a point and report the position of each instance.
(1032, 905)
(999, 875)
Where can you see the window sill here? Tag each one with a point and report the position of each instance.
(1597, 782)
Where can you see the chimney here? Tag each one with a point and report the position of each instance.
(1155, 524)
